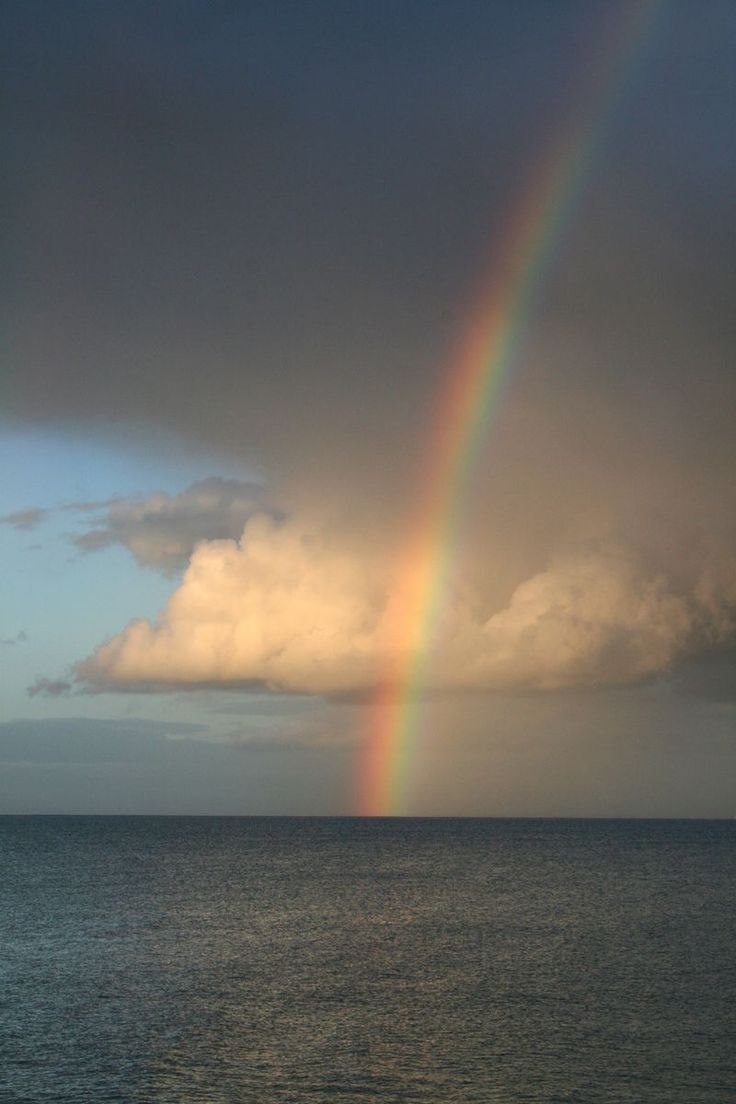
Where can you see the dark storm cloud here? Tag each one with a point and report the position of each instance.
(229, 232)
(263, 234)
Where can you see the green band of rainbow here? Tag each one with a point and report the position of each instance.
(488, 350)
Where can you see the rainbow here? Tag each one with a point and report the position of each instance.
(476, 374)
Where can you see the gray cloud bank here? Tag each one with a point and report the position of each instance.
(161, 530)
(86, 740)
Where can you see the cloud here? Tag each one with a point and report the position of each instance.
(25, 519)
(11, 641)
(267, 706)
(50, 688)
(281, 606)
(57, 740)
(161, 530)
(591, 619)
(296, 611)
(330, 731)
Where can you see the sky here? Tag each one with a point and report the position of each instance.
(246, 241)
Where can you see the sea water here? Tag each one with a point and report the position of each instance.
(147, 959)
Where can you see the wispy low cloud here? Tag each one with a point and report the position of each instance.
(25, 519)
(330, 731)
(65, 740)
(162, 530)
(297, 741)
(50, 688)
(296, 612)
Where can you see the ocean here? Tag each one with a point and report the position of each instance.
(316, 960)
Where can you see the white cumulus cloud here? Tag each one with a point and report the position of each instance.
(298, 612)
